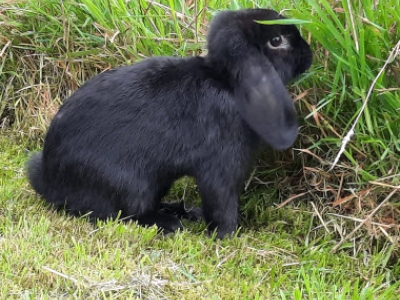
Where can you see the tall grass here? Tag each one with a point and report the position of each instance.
(357, 38)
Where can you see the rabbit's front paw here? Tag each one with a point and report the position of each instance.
(166, 223)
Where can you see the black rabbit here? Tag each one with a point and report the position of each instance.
(119, 142)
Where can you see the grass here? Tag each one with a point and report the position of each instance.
(359, 41)
(307, 232)
(285, 254)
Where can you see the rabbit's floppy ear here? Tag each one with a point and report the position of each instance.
(264, 103)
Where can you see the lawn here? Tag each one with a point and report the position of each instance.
(310, 229)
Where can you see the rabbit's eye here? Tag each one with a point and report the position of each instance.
(278, 42)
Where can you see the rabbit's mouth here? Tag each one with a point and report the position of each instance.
(294, 67)
(304, 62)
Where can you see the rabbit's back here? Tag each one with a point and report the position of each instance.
(160, 114)
(156, 94)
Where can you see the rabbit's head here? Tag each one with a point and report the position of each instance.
(259, 60)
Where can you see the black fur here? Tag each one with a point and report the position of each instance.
(121, 140)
